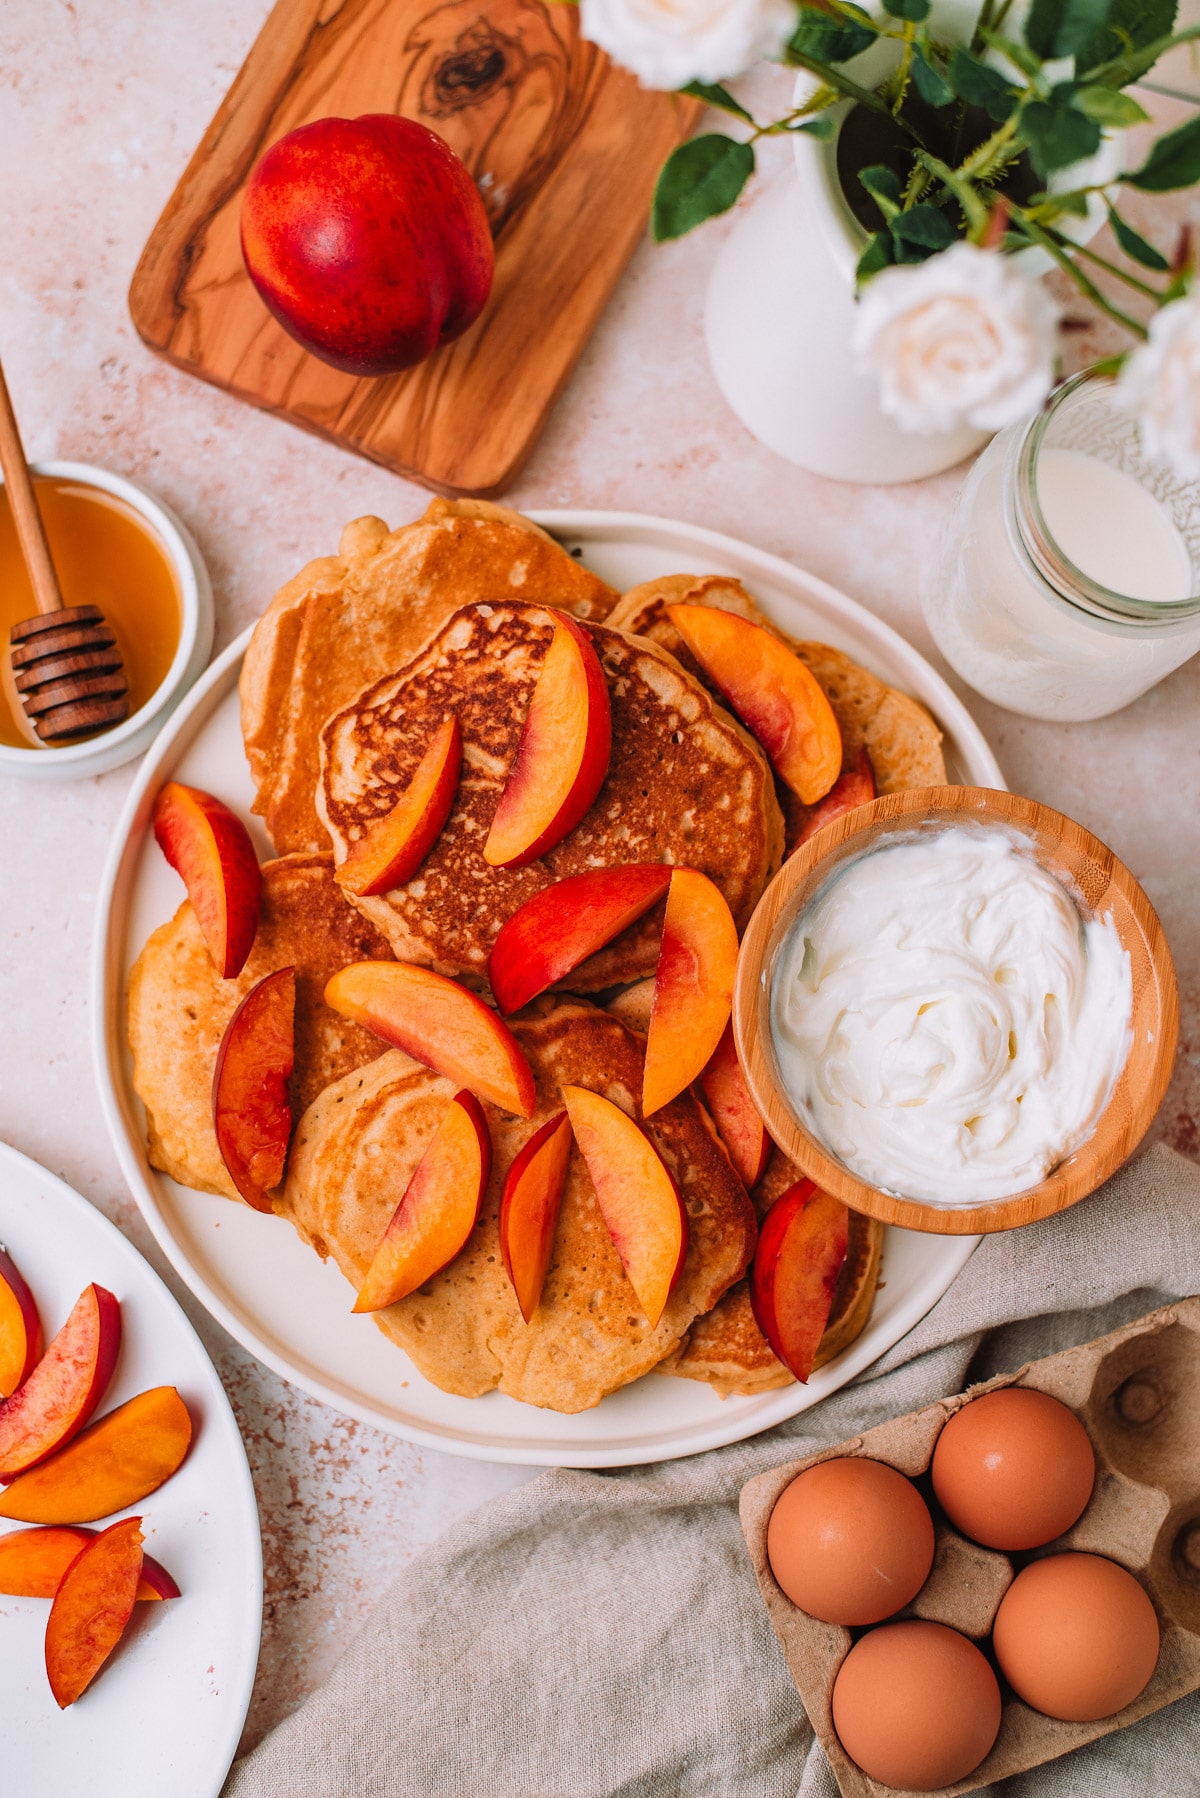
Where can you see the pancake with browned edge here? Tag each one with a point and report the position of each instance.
(179, 1007)
(355, 1151)
(686, 785)
(899, 735)
(346, 620)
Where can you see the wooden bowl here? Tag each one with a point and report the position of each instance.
(1100, 884)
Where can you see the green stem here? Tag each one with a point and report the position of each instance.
(842, 84)
(1119, 274)
(1082, 281)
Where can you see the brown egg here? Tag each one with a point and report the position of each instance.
(1013, 1469)
(850, 1541)
(916, 1705)
(1076, 1637)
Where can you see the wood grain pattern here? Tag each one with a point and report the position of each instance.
(1102, 884)
(565, 149)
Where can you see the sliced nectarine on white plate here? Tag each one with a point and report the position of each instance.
(65, 1386)
(693, 987)
(552, 933)
(392, 850)
(637, 1195)
(20, 1328)
(210, 849)
(121, 1458)
(440, 1024)
(801, 1248)
(775, 696)
(91, 1608)
(529, 1207)
(437, 1213)
(33, 1561)
(252, 1114)
(562, 756)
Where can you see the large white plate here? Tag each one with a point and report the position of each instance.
(165, 1714)
(272, 1293)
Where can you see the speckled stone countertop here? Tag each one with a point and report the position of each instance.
(100, 108)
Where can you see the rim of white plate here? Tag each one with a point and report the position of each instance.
(126, 1135)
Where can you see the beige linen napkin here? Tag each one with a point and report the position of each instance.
(601, 1635)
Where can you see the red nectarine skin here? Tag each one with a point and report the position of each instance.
(395, 846)
(529, 1209)
(854, 786)
(693, 987)
(91, 1608)
(562, 756)
(552, 933)
(637, 1195)
(801, 1248)
(368, 241)
(119, 1460)
(775, 696)
(210, 849)
(439, 1023)
(732, 1109)
(439, 1209)
(20, 1328)
(252, 1114)
(65, 1387)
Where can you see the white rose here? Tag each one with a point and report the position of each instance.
(963, 338)
(1160, 385)
(668, 43)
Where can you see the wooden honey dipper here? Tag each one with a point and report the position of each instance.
(66, 665)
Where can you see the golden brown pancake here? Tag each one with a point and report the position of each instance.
(345, 621)
(899, 735)
(686, 785)
(179, 1007)
(356, 1149)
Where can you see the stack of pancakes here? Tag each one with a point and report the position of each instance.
(350, 671)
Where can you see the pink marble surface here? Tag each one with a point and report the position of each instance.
(100, 108)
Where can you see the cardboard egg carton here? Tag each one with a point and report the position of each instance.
(1137, 1393)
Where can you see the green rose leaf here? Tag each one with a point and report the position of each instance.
(699, 180)
(1130, 25)
(1174, 161)
(930, 83)
(883, 185)
(717, 96)
(912, 10)
(1135, 245)
(1057, 135)
(980, 85)
(1109, 107)
(877, 255)
(814, 127)
(830, 40)
(1064, 27)
(921, 232)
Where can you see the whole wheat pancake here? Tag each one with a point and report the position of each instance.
(179, 1007)
(346, 620)
(900, 737)
(355, 1151)
(686, 784)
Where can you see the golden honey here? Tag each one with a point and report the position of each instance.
(106, 555)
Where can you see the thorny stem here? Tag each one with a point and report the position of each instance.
(1084, 282)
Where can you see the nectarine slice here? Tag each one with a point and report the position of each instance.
(562, 756)
(33, 1561)
(91, 1608)
(854, 786)
(433, 1220)
(65, 1387)
(20, 1328)
(773, 693)
(210, 849)
(638, 1198)
(440, 1024)
(394, 847)
(732, 1109)
(801, 1247)
(552, 933)
(693, 987)
(529, 1209)
(119, 1460)
(252, 1114)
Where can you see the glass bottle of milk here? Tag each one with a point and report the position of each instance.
(1067, 579)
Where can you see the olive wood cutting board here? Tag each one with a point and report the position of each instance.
(565, 148)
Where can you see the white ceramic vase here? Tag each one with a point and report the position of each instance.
(780, 312)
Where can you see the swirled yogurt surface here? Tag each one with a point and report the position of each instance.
(946, 1020)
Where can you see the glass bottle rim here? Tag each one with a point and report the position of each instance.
(1050, 561)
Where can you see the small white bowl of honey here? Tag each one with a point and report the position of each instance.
(117, 547)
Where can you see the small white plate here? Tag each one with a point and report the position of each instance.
(165, 1714)
(255, 1275)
